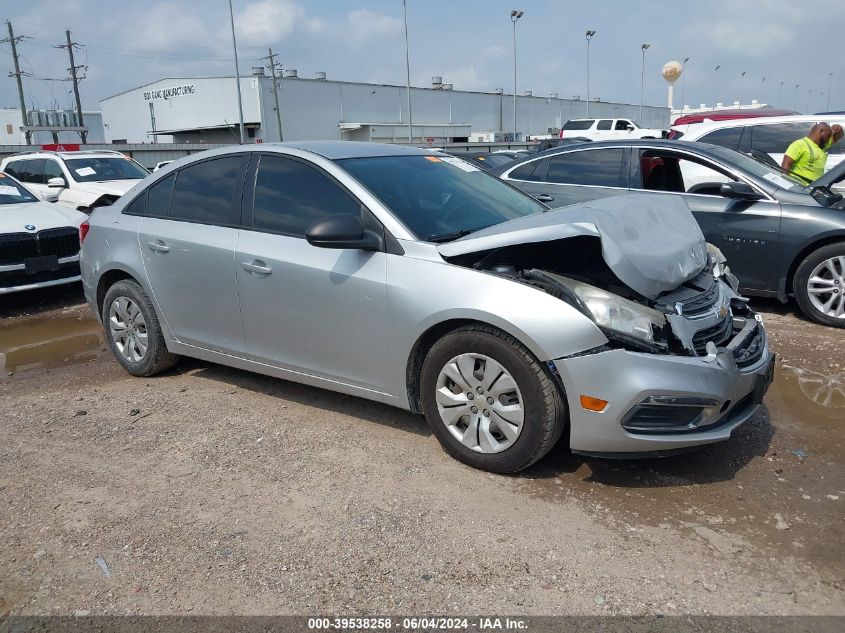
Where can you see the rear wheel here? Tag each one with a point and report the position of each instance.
(819, 285)
(133, 330)
(490, 403)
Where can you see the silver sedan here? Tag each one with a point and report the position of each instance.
(417, 280)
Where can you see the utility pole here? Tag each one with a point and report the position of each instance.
(408, 75)
(272, 65)
(73, 68)
(237, 73)
(17, 74)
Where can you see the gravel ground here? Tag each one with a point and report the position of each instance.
(209, 490)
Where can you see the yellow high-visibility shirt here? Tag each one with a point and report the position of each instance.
(809, 158)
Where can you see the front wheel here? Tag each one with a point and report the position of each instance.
(490, 403)
(819, 285)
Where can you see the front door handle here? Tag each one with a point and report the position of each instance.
(158, 246)
(544, 197)
(257, 268)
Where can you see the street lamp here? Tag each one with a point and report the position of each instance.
(515, 15)
(643, 48)
(762, 81)
(408, 75)
(741, 78)
(795, 101)
(780, 94)
(715, 78)
(683, 81)
(589, 36)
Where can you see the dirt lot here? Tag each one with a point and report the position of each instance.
(214, 491)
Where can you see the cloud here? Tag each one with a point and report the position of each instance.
(494, 51)
(268, 21)
(149, 34)
(363, 26)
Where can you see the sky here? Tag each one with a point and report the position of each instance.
(125, 44)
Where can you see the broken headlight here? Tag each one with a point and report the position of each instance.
(612, 312)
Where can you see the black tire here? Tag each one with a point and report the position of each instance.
(802, 277)
(544, 410)
(157, 359)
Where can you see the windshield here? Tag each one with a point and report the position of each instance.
(97, 169)
(774, 175)
(13, 193)
(440, 197)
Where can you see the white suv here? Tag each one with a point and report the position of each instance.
(80, 180)
(608, 129)
(771, 135)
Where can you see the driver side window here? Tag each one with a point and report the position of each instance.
(660, 171)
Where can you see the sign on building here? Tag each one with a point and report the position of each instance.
(169, 93)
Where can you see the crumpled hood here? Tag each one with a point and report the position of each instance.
(41, 215)
(652, 243)
(110, 187)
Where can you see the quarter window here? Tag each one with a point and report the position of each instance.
(158, 198)
(528, 171)
(599, 168)
(290, 196)
(206, 192)
(582, 124)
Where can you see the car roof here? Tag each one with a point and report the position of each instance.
(337, 150)
(79, 154)
(707, 126)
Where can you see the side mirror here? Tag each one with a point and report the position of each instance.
(343, 231)
(629, 127)
(738, 191)
(57, 183)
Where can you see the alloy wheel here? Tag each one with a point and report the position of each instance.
(128, 329)
(826, 285)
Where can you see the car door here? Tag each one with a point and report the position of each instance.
(622, 128)
(577, 175)
(747, 232)
(187, 240)
(306, 309)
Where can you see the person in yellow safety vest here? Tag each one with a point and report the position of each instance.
(806, 157)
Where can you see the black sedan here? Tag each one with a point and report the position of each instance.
(780, 237)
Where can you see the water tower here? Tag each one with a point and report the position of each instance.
(671, 73)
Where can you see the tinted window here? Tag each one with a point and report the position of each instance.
(578, 125)
(138, 206)
(97, 169)
(158, 197)
(290, 196)
(599, 168)
(729, 137)
(206, 192)
(526, 171)
(604, 124)
(31, 171)
(774, 139)
(52, 170)
(439, 199)
(13, 169)
(12, 193)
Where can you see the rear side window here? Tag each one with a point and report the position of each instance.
(158, 198)
(206, 192)
(774, 139)
(604, 124)
(578, 125)
(30, 171)
(598, 168)
(290, 196)
(526, 171)
(728, 137)
(138, 206)
(13, 169)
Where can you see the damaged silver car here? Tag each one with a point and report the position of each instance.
(417, 280)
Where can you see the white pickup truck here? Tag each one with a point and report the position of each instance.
(608, 129)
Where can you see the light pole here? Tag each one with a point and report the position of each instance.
(829, 86)
(741, 79)
(762, 81)
(589, 36)
(408, 74)
(683, 81)
(715, 86)
(643, 48)
(780, 94)
(237, 73)
(809, 100)
(795, 100)
(515, 15)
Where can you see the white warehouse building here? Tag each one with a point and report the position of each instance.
(205, 110)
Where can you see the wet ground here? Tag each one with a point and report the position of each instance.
(766, 504)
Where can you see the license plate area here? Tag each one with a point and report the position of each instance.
(43, 264)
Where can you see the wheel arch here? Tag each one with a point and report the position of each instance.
(805, 251)
(107, 279)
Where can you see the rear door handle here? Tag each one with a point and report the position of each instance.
(158, 246)
(257, 268)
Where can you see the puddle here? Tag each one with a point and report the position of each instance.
(809, 395)
(48, 342)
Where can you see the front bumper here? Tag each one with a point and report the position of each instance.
(626, 379)
(13, 277)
